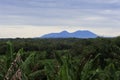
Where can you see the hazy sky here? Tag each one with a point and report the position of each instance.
(32, 18)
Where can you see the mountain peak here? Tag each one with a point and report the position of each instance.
(82, 31)
(64, 31)
(76, 34)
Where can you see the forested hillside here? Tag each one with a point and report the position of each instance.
(60, 59)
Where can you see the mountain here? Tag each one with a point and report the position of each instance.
(76, 34)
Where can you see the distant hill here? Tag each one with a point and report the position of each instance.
(76, 34)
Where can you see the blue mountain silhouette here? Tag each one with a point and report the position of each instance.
(76, 34)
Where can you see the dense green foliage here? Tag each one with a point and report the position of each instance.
(60, 59)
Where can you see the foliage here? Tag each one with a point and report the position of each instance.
(60, 59)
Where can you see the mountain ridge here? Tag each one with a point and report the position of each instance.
(66, 34)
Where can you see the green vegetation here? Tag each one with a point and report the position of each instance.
(60, 59)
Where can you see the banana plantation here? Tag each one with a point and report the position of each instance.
(60, 59)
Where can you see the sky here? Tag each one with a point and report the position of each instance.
(33, 18)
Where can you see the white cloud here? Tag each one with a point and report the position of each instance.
(94, 18)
